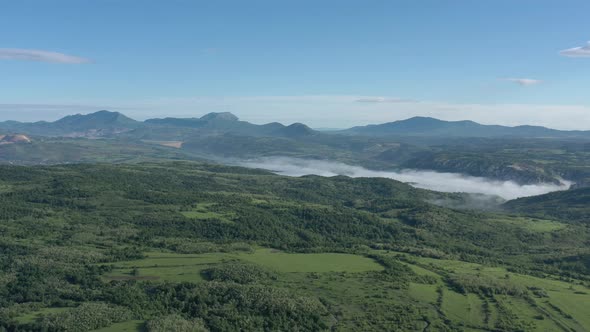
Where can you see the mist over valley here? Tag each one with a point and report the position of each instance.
(425, 179)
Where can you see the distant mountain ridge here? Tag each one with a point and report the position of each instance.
(418, 143)
(97, 120)
(194, 122)
(426, 126)
(101, 123)
(225, 122)
(106, 124)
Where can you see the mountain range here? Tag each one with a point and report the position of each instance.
(523, 155)
(426, 126)
(105, 124)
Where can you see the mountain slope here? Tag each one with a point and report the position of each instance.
(570, 205)
(214, 124)
(101, 123)
(207, 119)
(294, 131)
(97, 120)
(425, 126)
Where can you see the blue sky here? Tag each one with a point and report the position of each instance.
(326, 63)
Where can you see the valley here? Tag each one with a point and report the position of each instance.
(514, 155)
(294, 166)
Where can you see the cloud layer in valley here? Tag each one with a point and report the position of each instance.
(445, 182)
(39, 55)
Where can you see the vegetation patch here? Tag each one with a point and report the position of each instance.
(239, 272)
(175, 323)
(533, 224)
(106, 246)
(314, 262)
(187, 267)
(88, 316)
(37, 315)
(206, 211)
(484, 285)
(127, 326)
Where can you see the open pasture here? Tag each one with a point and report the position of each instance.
(188, 267)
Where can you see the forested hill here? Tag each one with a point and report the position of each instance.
(182, 246)
(570, 205)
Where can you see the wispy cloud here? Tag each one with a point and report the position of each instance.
(39, 55)
(383, 100)
(523, 81)
(577, 52)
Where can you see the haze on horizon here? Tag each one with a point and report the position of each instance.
(332, 64)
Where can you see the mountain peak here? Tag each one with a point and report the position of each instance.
(420, 120)
(105, 113)
(100, 115)
(296, 130)
(224, 116)
(96, 120)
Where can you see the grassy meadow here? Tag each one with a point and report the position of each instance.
(347, 282)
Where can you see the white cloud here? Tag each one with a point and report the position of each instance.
(383, 100)
(577, 52)
(523, 81)
(425, 179)
(39, 55)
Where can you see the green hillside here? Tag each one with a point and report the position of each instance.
(570, 205)
(209, 247)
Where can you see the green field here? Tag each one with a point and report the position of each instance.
(188, 267)
(38, 314)
(345, 279)
(206, 211)
(166, 267)
(570, 299)
(532, 224)
(324, 262)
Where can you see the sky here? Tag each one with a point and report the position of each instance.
(330, 64)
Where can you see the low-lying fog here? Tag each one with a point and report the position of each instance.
(446, 182)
